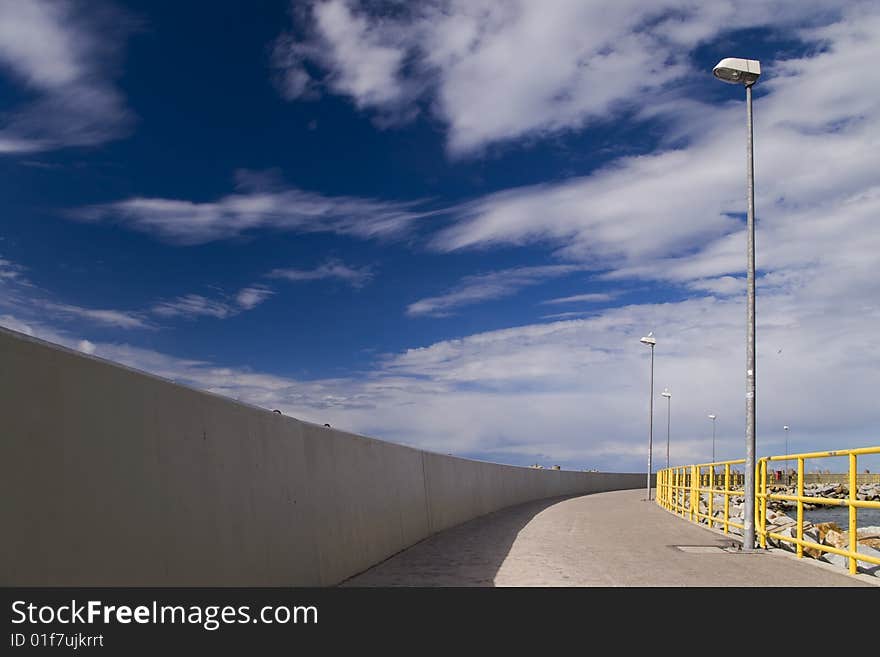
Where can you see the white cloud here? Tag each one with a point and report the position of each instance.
(568, 315)
(672, 215)
(11, 272)
(594, 297)
(194, 305)
(16, 324)
(257, 206)
(60, 51)
(362, 66)
(22, 297)
(494, 71)
(116, 318)
(190, 306)
(720, 286)
(250, 297)
(485, 287)
(612, 217)
(332, 269)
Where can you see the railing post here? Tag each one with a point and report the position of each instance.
(759, 488)
(661, 485)
(800, 507)
(682, 495)
(711, 493)
(666, 488)
(695, 492)
(726, 496)
(853, 510)
(762, 525)
(675, 490)
(658, 499)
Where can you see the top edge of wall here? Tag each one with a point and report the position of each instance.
(24, 337)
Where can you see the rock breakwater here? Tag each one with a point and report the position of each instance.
(781, 525)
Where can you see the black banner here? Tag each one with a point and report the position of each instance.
(157, 621)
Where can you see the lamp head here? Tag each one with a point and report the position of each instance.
(785, 427)
(711, 416)
(666, 393)
(738, 71)
(649, 339)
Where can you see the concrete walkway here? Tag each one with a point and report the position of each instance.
(604, 539)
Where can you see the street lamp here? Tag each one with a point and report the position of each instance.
(746, 72)
(668, 396)
(649, 340)
(712, 417)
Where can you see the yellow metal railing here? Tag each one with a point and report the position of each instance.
(850, 501)
(682, 489)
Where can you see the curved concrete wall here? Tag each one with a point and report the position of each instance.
(113, 477)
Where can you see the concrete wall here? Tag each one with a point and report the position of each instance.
(113, 477)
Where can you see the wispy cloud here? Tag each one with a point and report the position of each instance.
(578, 298)
(258, 205)
(568, 315)
(193, 305)
(190, 306)
(484, 287)
(19, 295)
(332, 269)
(116, 318)
(11, 272)
(251, 297)
(63, 54)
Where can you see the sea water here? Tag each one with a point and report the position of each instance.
(840, 515)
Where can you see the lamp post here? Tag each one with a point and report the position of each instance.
(650, 341)
(668, 396)
(746, 72)
(785, 428)
(712, 417)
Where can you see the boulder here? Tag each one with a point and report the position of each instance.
(783, 520)
(868, 532)
(811, 534)
(863, 566)
(824, 527)
(836, 559)
(837, 539)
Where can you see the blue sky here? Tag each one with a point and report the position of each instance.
(447, 224)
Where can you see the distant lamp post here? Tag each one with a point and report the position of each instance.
(787, 475)
(746, 72)
(668, 396)
(712, 417)
(650, 341)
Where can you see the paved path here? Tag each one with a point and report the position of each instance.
(604, 539)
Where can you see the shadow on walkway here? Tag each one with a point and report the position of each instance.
(469, 554)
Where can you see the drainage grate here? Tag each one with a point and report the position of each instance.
(699, 549)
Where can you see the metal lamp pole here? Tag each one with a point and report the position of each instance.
(651, 341)
(712, 417)
(746, 72)
(668, 396)
(785, 428)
